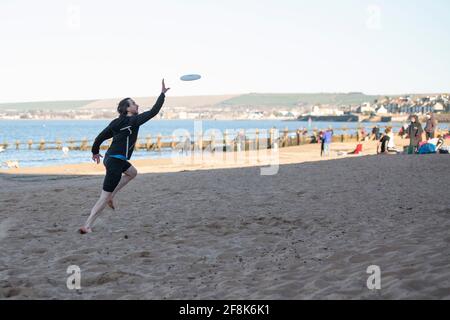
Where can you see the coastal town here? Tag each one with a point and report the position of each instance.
(381, 109)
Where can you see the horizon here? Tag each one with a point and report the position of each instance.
(229, 94)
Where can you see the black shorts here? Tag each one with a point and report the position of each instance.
(114, 169)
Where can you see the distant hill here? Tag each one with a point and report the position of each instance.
(291, 100)
(251, 100)
(146, 102)
(45, 105)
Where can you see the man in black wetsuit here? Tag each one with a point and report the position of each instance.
(124, 131)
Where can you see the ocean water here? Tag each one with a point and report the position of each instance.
(64, 130)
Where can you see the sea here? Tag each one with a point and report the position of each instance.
(65, 130)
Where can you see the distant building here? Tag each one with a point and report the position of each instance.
(438, 108)
(256, 115)
(182, 115)
(393, 108)
(381, 110)
(365, 108)
(318, 112)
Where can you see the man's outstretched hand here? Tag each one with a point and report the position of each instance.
(96, 158)
(164, 89)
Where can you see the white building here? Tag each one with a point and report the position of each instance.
(382, 110)
(438, 107)
(366, 108)
(256, 115)
(317, 112)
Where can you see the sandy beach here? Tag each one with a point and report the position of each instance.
(224, 231)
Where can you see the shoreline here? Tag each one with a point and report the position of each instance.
(255, 120)
(261, 158)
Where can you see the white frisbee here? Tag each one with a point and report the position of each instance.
(190, 77)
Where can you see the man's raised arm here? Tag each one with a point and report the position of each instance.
(147, 115)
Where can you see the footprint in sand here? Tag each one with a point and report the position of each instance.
(9, 292)
(109, 277)
(15, 288)
(136, 255)
(5, 226)
(56, 230)
(75, 259)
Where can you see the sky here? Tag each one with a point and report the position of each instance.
(79, 49)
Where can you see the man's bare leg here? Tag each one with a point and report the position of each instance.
(129, 175)
(96, 211)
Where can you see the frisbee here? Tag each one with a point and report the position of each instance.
(190, 77)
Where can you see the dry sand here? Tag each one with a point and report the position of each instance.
(308, 232)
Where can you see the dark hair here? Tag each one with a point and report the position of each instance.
(123, 106)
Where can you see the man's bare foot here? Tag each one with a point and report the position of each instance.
(111, 204)
(85, 230)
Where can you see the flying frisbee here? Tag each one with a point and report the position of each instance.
(190, 77)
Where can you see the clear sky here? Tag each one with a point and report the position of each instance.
(58, 50)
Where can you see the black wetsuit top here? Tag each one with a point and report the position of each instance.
(384, 141)
(124, 131)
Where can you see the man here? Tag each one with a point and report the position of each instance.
(376, 133)
(322, 142)
(431, 126)
(327, 139)
(124, 131)
(414, 132)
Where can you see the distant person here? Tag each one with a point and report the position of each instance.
(383, 144)
(315, 137)
(363, 134)
(240, 141)
(376, 133)
(186, 146)
(322, 142)
(438, 142)
(327, 139)
(414, 133)
(124, 131)
(431, 126)
(386, 144)
(391, 144)
(330, 128)
(403, 131)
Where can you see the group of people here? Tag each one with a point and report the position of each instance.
(414, 131)
(386, 141)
